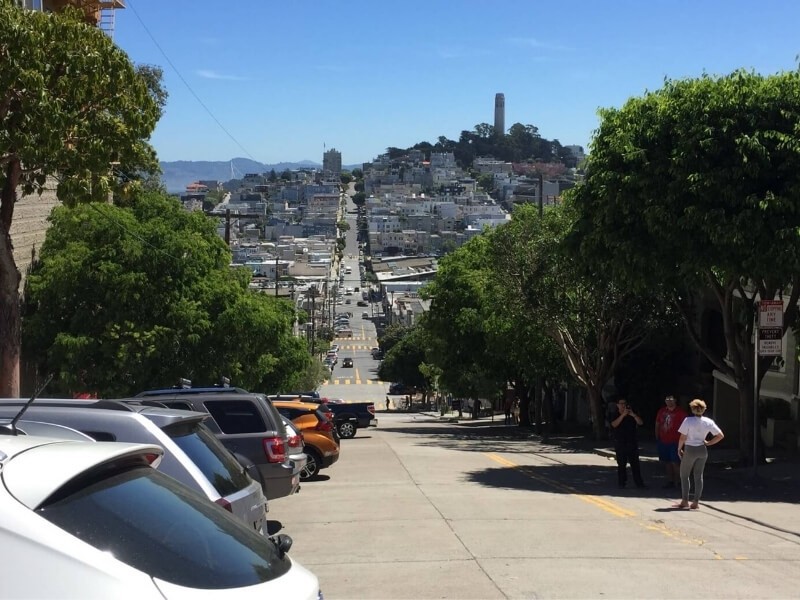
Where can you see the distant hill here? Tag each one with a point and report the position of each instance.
(178, 174)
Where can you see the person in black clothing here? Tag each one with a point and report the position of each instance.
(626, 442)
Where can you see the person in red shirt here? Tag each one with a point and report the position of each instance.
(668, 420)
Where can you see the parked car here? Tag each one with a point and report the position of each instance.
(347, 362)
(192, 454)
(249, 426)
(96, 520)
(365, 315)
(316, 427)
(297, 449)
(348, 417)
(361, 303)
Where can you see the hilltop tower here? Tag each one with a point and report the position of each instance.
(499, 114)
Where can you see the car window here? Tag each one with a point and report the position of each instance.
(207, 452)
(236, 416)
(152, 523)
(178, 404)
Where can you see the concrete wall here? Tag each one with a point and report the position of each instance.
(30, 225)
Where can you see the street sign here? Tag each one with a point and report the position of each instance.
(770, 313)
(770, 341)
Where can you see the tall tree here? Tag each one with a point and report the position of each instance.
(458, 323)
(696, 187)
(71, 105)
(128, 298)
(594, 323)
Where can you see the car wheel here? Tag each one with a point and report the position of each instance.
(313, 465)
(347, 430)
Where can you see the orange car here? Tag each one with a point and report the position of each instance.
(315, 423)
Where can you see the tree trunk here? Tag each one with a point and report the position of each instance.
(9, 289)
(547, 408)
(597, 412)
(524, 406)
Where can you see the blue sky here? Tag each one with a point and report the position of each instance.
(287, 78)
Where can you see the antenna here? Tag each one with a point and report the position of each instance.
(38, 391)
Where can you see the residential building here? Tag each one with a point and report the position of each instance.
(332, 162)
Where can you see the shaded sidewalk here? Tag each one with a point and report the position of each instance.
(776, 481)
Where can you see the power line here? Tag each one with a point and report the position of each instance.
(186, 83)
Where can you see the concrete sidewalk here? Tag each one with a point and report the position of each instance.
(776, 481)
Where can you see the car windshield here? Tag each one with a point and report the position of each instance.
(207, 452)
(154, 524)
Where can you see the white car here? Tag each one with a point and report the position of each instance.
(96, 520)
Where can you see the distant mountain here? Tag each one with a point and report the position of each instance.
(178, 174)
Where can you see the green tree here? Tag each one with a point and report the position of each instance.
(594, 323)
(486, 182)
(273, 176)
(345, 177)
(343, 226)
(457, 323)
(286, 175)
(404, 357)
(696, 187)
(359, 187)
(359, 198)
(72, 104)
(358, 174)
(125, 298)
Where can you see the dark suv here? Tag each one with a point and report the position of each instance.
(248, 425)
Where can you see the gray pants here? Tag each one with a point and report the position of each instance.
(694, 459)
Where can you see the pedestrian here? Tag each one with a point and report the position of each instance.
(626, 443)
(387, 403)
(668, 420)
(515, 412)
(693, 450)
(507, 407)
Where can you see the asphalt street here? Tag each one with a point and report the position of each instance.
(420, 508)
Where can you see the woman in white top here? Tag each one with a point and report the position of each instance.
(692, 448)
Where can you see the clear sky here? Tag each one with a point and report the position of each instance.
(286, 78)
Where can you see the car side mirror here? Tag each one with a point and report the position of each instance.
(283, 542)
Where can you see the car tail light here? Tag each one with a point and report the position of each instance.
(275, 449)
(153, 458)
(371, 409)
(329, 415)
(294, 441)
(224, 504)
(324, 425)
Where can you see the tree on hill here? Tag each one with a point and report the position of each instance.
(124, 299)
(71, 104)
(694, 189)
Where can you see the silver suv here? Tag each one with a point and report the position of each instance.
(249, 426)
(192, 454)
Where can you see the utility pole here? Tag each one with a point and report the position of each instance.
(541, 195)
(228, 226)
(276, 273)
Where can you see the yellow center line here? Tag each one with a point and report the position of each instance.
(606, 505)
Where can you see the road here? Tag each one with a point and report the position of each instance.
(418, 508)
(360, 382)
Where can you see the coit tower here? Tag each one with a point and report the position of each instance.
(499, 114)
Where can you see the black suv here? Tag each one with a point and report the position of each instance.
(248, 425)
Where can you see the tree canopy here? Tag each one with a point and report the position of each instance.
(72, 105)
(125, 299)
(695, 187)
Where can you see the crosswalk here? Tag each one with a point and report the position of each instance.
(352, 381)
(346, 346)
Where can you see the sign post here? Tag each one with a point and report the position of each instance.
(768, 342)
